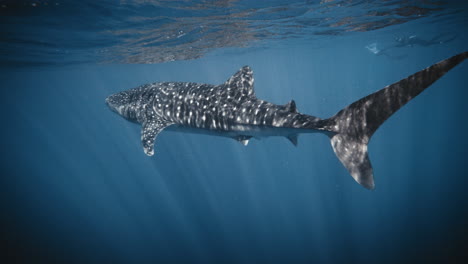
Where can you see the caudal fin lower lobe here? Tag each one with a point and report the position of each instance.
(355, 124)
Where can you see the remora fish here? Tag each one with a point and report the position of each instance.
(232, 110)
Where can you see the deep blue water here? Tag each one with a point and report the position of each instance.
(76, 186)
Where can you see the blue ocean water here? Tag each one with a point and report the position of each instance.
(76, 186)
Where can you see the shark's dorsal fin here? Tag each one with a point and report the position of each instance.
(291, 106)
(150, 129)
(242, 80)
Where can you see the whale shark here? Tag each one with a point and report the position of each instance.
(232, 110)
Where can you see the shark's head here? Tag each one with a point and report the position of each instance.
(118, 102)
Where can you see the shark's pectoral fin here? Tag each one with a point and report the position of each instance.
(149, 131)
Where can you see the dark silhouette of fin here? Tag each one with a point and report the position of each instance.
(293, 139)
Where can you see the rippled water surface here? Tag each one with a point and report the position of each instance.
(69, 32)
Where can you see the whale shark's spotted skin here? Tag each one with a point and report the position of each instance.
(231, 109)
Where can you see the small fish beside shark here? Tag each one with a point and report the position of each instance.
(232, 110)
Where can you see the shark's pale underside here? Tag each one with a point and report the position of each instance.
(232, 110)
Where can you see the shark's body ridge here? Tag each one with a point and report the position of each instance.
(231, 109)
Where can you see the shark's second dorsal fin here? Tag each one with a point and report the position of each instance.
(291, 106)
(242, 80)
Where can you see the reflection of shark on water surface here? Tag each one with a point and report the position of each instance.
(414, 40)
(232, 110)
(407, 41)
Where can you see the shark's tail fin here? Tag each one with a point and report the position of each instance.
(354, 125)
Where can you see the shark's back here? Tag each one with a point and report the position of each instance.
(198, 105)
